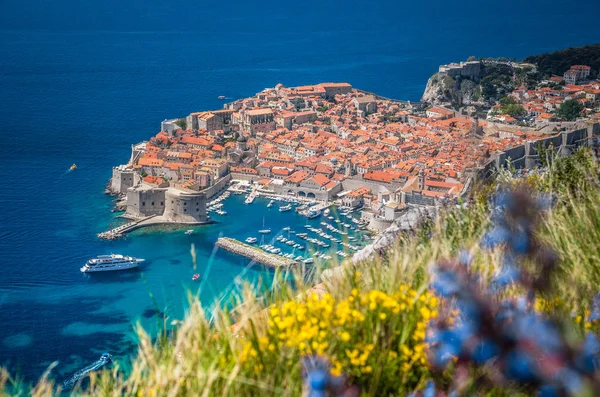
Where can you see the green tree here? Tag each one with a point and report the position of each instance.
(515, 110)
(182, 123)
(570, 109)
(507, 100)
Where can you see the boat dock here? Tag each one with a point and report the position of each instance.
(120, 231)
(251, 196)
(254, 253)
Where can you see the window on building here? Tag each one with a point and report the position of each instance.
(153, 203)
(143, 203)
(185, 203)
(162, 203)
(184, 210)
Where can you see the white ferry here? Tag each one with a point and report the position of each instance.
(108, 263)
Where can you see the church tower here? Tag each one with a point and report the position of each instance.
(242, 143)
(422, 179)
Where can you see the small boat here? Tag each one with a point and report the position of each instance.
(326, 212)
(105, 359)
(189, 231)
(270, 204)
(285, 208)
(73, 167)
(287, 228)
(313, 214)
(195, 277)
(264, 230)
(309, 261)
(251, 240)
(222, 97)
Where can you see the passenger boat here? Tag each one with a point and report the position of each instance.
(285, 208)
(112, 262)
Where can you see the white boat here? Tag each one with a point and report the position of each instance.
(309, 260)
(287, 228)
(112, 262)
(189, 231)
(264, 230)
(251, 240)
(285, 208)
(326, 212)
(270, 203)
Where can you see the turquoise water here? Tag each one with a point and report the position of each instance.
(80, 81)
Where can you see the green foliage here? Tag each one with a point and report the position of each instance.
(507, 100)
(515, 110)
(570, 109)
(360, 312)
(182, 123)
(559, 62)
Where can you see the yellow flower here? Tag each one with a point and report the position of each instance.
(345, 336)
(382, 316)
(367, 370)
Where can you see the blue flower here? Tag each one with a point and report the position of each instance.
(498, 235)
(589, 359)
(547, 391)
(519, 366)
(429, 390)
(446, 283)
(484, 351)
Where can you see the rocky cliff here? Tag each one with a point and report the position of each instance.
(448, 90)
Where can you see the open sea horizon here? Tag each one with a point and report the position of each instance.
(80, 81)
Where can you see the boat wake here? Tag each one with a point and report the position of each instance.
(102, 361)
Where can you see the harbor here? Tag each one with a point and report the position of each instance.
(253, 253)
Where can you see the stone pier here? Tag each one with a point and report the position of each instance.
(254, 253)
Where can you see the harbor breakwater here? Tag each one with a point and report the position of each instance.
(254, 253)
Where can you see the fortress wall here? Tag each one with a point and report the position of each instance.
(141, 203)
(122, 180)
(219, 187)
(185, 207)
(352, 184)
(244, 177)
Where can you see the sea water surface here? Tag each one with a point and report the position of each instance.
(80, 81)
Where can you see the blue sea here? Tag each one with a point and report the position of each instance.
(80, 81)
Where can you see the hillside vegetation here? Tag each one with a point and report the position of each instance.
(557, 63)
(368, 321)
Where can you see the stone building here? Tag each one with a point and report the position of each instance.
(241, 156)
(257, 120)
(365, 105)
(470, 70)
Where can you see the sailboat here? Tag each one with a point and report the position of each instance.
(264, 230)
